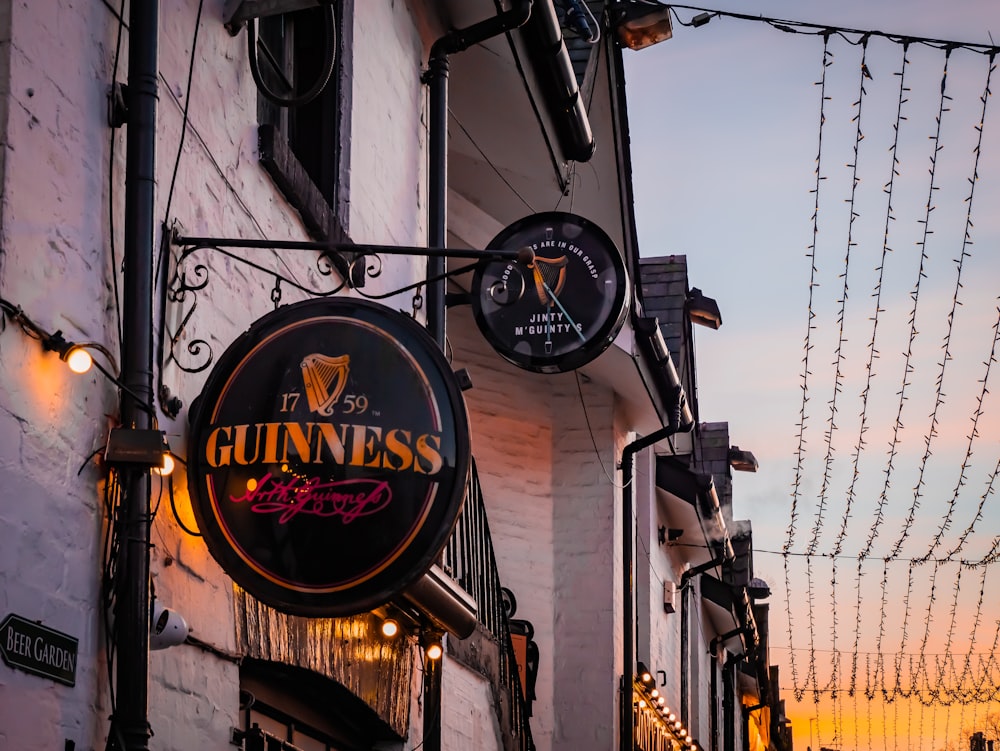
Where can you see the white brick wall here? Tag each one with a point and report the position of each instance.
(555, 519)
(468, 719)
(55, 261)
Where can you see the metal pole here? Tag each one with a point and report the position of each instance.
(132, 594)
(432, 703)
(626, 734)
(437, 146)
(437, 200)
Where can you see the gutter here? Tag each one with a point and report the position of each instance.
(546, 48)
(657, 369)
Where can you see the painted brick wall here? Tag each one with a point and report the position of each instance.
(468, 720)
(512, 442)
(56, 262)
(588, 566)
(555, 519)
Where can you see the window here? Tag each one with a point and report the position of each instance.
(300, 145)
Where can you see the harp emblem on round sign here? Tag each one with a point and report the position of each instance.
(562, 303)
(324, 378)
(551, 274)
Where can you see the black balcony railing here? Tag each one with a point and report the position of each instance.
(468, 558)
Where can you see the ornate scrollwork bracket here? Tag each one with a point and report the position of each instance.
(188, 276)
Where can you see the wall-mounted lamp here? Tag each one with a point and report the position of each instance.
(431, 642)
(641, 24)
(742, 461)
(758, 589)
(703, 310)
(390, 628)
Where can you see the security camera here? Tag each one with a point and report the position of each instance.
(167, 627)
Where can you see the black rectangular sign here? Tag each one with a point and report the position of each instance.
(39, 650)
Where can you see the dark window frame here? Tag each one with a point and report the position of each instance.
(291, 140)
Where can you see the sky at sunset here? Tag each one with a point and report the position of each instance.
(857, 368)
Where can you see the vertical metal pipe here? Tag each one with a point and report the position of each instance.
(714, 717)
(729, 701)
(432, 704)
(685, 647)
(437, 147)
(628, 650)
(626, 731)
(132, 594)
(437, 200)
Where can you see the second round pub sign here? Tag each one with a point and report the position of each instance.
(328, 457)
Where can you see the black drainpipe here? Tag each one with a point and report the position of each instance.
(674, 425)
(686, 585)
(437, 201)
(436, 78)
(714, 719)
(131, 720)
(713, 729)
(729, 701)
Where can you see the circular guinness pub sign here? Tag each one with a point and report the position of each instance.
(328, 456)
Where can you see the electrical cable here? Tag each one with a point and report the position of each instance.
(802, 27)
(322, 79)
(489, 162)
(184, 128)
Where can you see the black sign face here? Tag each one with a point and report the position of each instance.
(38, 650)
(328, 457)
(563, 307)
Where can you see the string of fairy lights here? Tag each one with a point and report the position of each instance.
(925, 630)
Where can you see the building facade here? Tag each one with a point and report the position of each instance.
(180, 181)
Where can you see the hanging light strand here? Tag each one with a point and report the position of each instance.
(800, 451)
(915, 295)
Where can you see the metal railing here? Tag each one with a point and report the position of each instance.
(468, 558)
(256, 739)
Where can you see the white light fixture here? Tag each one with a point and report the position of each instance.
(167, 627)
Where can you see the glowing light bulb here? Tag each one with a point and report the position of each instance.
(389, 628)
(168, 465)
(79, 360)
(434, 651)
